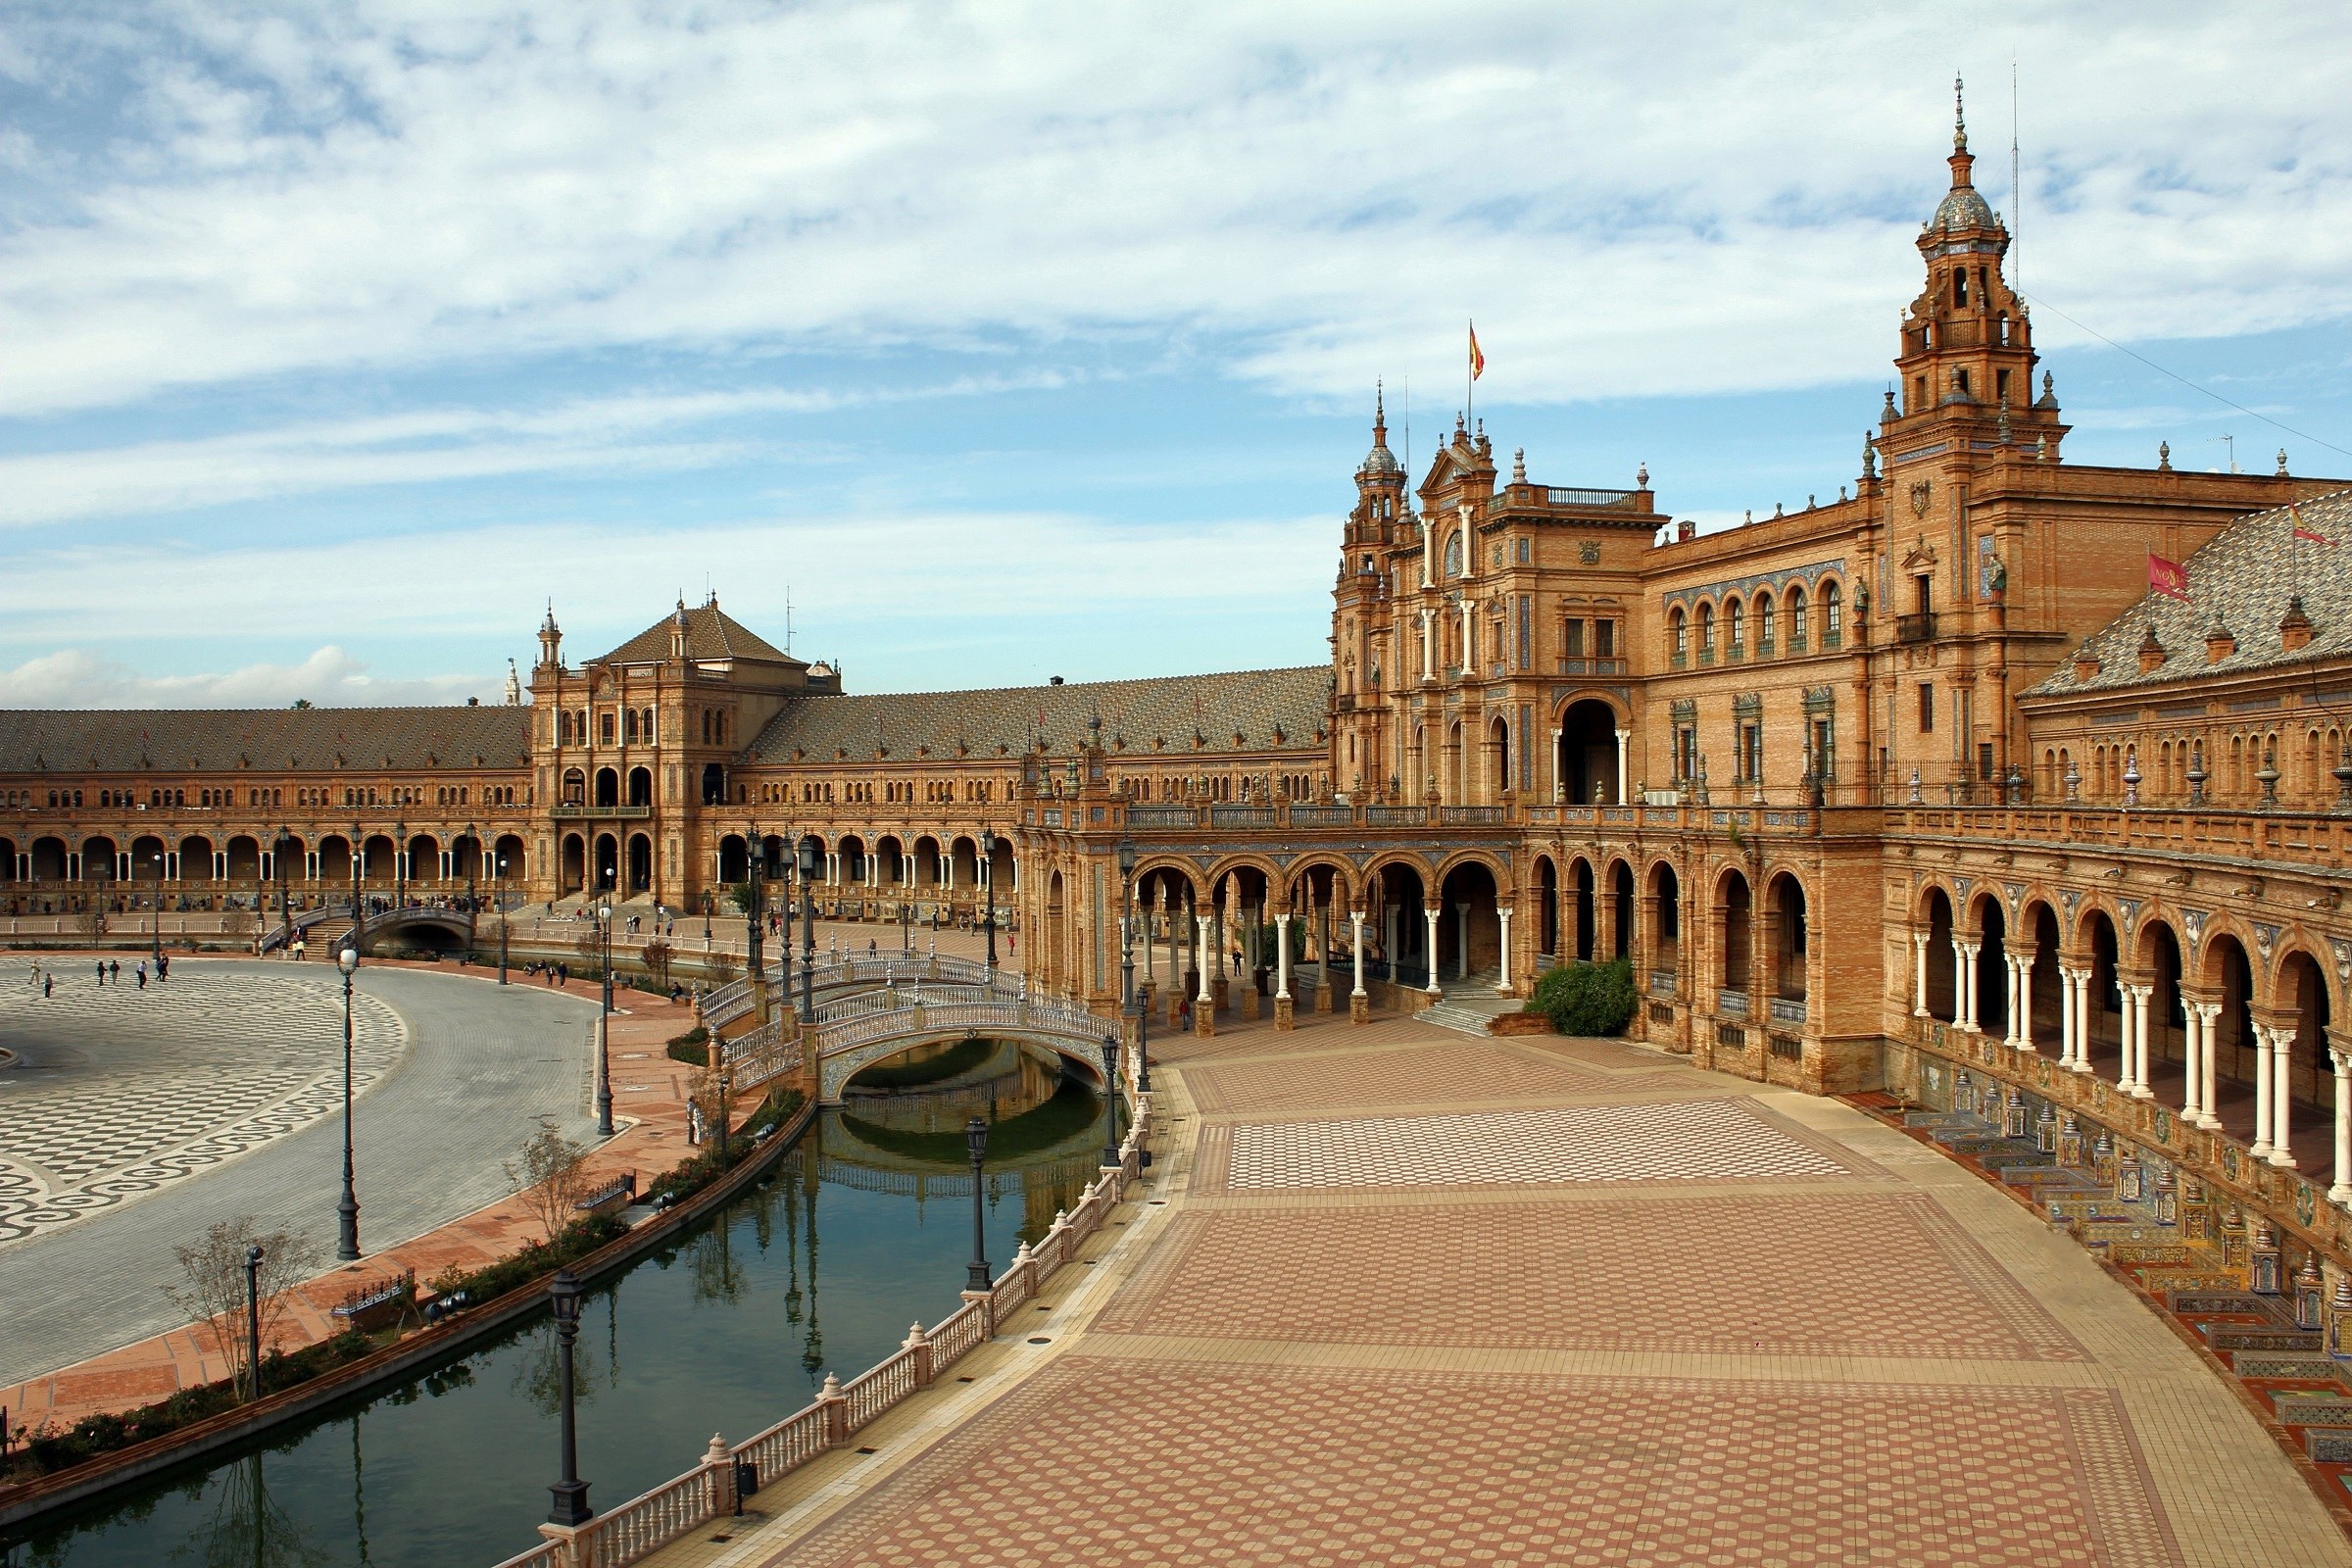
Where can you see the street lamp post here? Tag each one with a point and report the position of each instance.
(253, 1319)
(359, 918)
(502, 919)
(756, 867)
(347, 1243)
(725, 1083)
(1132, 1005)
(157, 941)
(286, 906)
(472, 915)
(988, 888)
(571, 1493)
(603, 1027)
(808, 932)
(1110, 1087)
(975, 1140)
(400, 865)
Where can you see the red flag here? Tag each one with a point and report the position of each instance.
(2302, 532)
(1477, 361)
(2168, 577)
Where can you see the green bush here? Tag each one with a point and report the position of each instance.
(690, 1048)
(1586, 998)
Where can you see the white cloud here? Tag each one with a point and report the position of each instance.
(74, 677)
(1720, 202)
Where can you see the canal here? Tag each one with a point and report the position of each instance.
(858, 1231)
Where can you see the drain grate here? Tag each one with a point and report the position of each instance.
(964, 1380)
(717, 1538)
(1041, 1339)
(869, 1450)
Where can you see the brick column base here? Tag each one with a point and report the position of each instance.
(1221, 988)
(1323, 996)
(1205, 1022)
(1283, 1007)
(1359, 1009)
(1249, 1001)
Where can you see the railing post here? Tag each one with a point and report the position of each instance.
(921, 1344)
(836, 1407)
(719, 1465)
(988, 1311)
(570, 1550)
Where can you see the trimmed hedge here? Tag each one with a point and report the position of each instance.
(692, 1047)
(1586, 998)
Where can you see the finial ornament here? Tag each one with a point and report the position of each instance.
(2164, 457)
(1519, 466)
(1959, 118)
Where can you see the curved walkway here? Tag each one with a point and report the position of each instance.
(481, 1065)
(1422, 1298)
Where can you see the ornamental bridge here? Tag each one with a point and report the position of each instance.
(897, 1003)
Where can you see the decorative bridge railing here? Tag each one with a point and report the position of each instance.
(733, 999)
(652, 1520)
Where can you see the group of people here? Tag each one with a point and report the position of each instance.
(108, 970)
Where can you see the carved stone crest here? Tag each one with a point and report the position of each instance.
(1589, 552)
(1921, 489)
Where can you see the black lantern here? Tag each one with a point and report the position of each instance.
(347, 1212)
(988, 888)
(571, 1493)
(1110, 1089)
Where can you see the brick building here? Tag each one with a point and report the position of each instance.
(1555, 724)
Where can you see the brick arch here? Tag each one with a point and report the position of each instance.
(1263, 865)
(1922, 900)
(1407, 858)
(1505, 885)
(2094, 903)
(1342, 877)
(2273, 976)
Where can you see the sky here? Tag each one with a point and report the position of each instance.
(1022, 339)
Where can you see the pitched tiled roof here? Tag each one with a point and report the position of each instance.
(267, 739)
(710, 633)
(2242, 577)
(1143, 713)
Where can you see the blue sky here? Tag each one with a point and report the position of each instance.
(1023, 339)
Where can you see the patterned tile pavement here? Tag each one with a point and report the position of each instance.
(1222, 1463)
(123, 1089)
(1688, 1141)
(1473, 1070)
(1831, 1275)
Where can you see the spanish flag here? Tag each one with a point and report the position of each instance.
(2303, 530)
(1477, 361)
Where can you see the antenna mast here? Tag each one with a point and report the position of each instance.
(788, 617)
(2017, 193)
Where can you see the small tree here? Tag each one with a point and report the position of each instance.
(657, 957)
(213, 1292)
(1586, 998)
(550, 1177)
(722, 966)
(591, 947)
(91, 918)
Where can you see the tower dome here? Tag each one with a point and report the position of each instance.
(1380, 461)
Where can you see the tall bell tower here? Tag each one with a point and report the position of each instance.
(1362, 663)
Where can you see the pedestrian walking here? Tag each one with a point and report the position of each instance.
(163, 966)
(114, 970)
(102, 971)
(1184, 1013)
(46, 982)
(142, 974)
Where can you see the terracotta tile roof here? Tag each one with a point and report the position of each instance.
(2242, 577)
(710, 633)
(1143, 713)
(265, 738)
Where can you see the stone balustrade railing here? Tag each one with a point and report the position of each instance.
(647, 1523)
(2304, 836)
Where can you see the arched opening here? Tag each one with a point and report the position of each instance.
(734, 860)
(1397, 930)
(1767, 634)
(607, 861)
(926, 862)
(641, 863)
(1548, 907)
(2228, 979)
(2168, 1053)
(1621, 880)
(714, 784)
(641, 786)
(1498, 760)
(48, 859)
(2302, 997)
(607, 787)
(195, 859)
(1832, 614)
(375, 861)
(424, 859)
(1456, 793)
(465, 860)
(506, 862)
(1666, 937)
(1058, 929)
(574, 876)
(2105, 1052)
(1733, 933)
(1940, 967)
(963, 858)
(1587, 763)
(1587, 915)
(2045, 987)
(1992, 968)
(1469, 930)
(1790, 938)
(1001, 873)
(244, 859)
(852, 861)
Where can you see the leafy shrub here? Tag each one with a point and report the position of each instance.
(691, 1048)
(1586, 998)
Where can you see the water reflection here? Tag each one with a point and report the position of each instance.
(453, 1466)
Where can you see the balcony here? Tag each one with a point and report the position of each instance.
(1919, 629)
(1594, 666)
(574, 811)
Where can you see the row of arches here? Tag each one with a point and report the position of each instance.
(1756, 623)
(2247, 768)
(379, 858)
(2205, 987)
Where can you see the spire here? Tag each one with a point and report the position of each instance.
(1959, 118)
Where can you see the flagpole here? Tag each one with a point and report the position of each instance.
(1470, 380)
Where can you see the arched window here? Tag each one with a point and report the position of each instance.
(1832, 614)
(1453, 555)
(1707, 630)
(1764, 627)
(1679, 630)
(1735, 616)
(1797, 622)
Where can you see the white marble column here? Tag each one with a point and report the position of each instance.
(2340, 1191)
(1558, 790)
(2192, 1078)
(2083, 1021)
(2208, 1099)
(2262, 1092)
(2140, 1089)
(1429, 645)
(1429, 912)
(1207, 998)
(1919, 974)
(2283, 1050)
(1503, 913)
(1356, 949)
(1282, 957)
(2022, 1016)
(1963, 985)
(1461, 942)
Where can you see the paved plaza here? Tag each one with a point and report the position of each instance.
(1395, 1295)
(137, 1118)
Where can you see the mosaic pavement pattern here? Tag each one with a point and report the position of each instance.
(1876, 1274)
(126, 1089)
(1472, 1069)
(1219, 1464)
(1686, 1141)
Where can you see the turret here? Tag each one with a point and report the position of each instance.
(551, 640)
